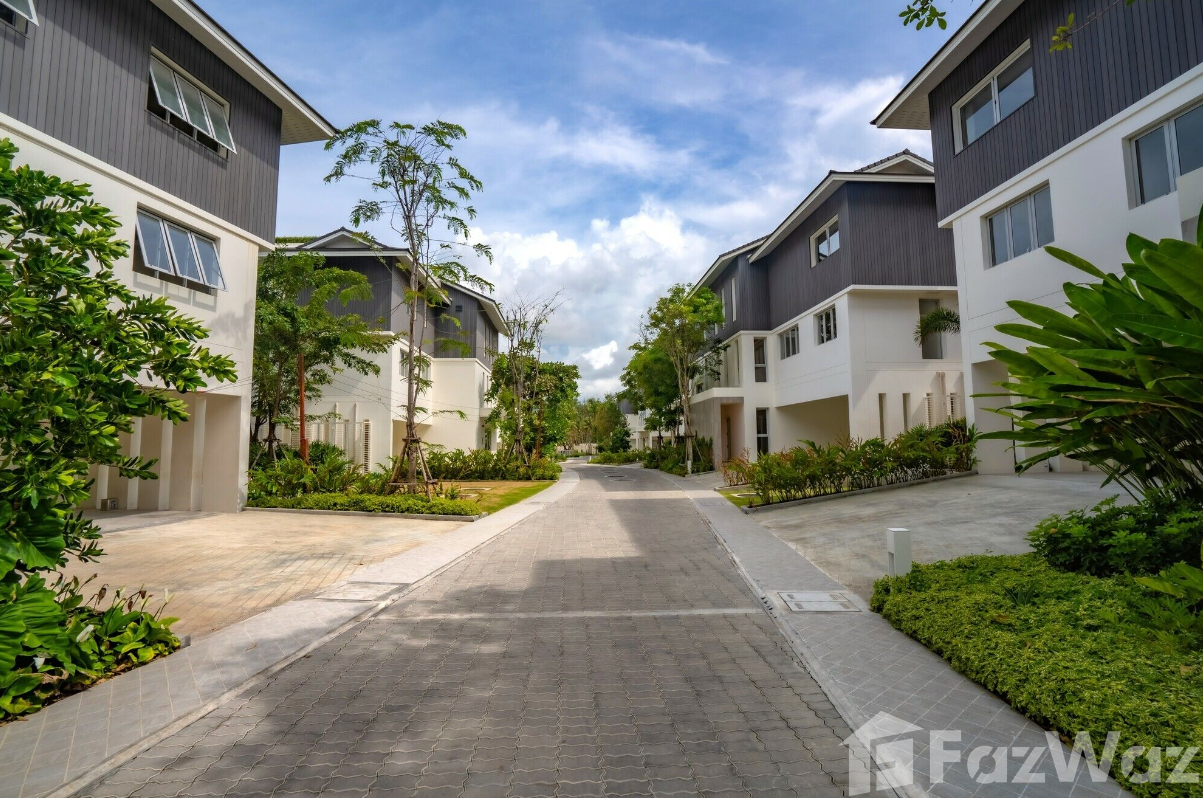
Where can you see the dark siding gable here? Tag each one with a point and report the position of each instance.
(81, 77)
(1115, 62)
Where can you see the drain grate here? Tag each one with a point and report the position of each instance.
(817, 601)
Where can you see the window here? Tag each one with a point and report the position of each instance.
(789, 342)
(933, 345)
(1165, 153)
(1021, 227)
(760, 361)
(18, 13)
(762, 430)
(187, 106)
(998, 96)
(825, 325)
(168, 250)
(732, 307)
(825, 242)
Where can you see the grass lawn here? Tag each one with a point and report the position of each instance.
(733, 495)
(494, 495)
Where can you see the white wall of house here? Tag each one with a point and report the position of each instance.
(459, 386)
(202, 461)
(873, 371)
(1094, 209)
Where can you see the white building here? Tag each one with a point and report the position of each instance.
(820, 317)
(178, 129)
(365, 414)
(1076, 148)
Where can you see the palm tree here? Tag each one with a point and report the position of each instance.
(935, 322)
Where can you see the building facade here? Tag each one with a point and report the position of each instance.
(178, 130)
(820, 317)
(1076, 148)
(365, 414)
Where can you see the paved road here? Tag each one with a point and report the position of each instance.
(605, 646)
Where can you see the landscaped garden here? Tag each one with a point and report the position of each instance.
(465, 483)
(810, 470)
(1100, 629)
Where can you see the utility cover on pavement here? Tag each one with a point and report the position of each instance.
(817, 601)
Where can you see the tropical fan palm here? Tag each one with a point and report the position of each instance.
(1119, 381)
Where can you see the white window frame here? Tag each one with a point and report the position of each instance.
(23, 19)
(734, 303)
(758, 365)
(165, 225)
(825, 230)
(1169, 127)
(208, 98)
(1030, 198)
(762, 435)
(822, 328)
(784, 338)
(990, 80)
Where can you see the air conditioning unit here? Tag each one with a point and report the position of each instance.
(108, 504)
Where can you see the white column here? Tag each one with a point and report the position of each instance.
(197, 422)
(164, 465)
(101, 487)
(135, 448)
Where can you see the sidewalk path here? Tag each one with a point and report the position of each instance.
(604, 646)
(868, 667)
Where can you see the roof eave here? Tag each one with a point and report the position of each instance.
(300, 122)
(905, 111)
(828, 185)
(722, 260)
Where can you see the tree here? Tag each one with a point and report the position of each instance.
(650, 383)
(620, 437)
(925, 13)
(81, 357)
(526, 320)
(607, 417)
(294, 326)
(548, 404)
(422, 191)
(680, 325)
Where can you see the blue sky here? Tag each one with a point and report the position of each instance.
(622, 145)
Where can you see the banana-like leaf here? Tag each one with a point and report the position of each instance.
(1073, 260)
(1176, 332)
(1180, 266)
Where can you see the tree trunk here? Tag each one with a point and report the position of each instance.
(411, 396)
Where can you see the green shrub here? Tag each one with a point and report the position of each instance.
(1073, 655)
(1172, 610)
(365, 503)
(670, 458)
(617, 458)
(817, 470)
(482, 464)
(1138, 539)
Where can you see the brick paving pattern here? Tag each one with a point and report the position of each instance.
(605, 646)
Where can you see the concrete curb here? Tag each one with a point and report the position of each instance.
(831, 496)
(319, 620)
(367, 514)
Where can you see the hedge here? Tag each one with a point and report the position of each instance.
(616, 458)
(1062, 648)
(368, 503)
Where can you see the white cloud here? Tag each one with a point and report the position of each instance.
(601, 356)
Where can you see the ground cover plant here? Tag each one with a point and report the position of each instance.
(1071, 651)
(812, 469)
(290, 483)
(78, 350)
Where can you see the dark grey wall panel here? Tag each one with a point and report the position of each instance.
(474, 328)
(793, 284)
(81, 76)
(895, 237)
(1130, 52)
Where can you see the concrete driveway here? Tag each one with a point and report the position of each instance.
(971, 515)
(223, 567)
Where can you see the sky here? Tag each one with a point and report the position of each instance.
(622, 145)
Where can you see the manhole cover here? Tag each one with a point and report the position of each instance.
(358, 591)
(817, 601)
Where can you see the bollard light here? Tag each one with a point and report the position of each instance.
(898, 551)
